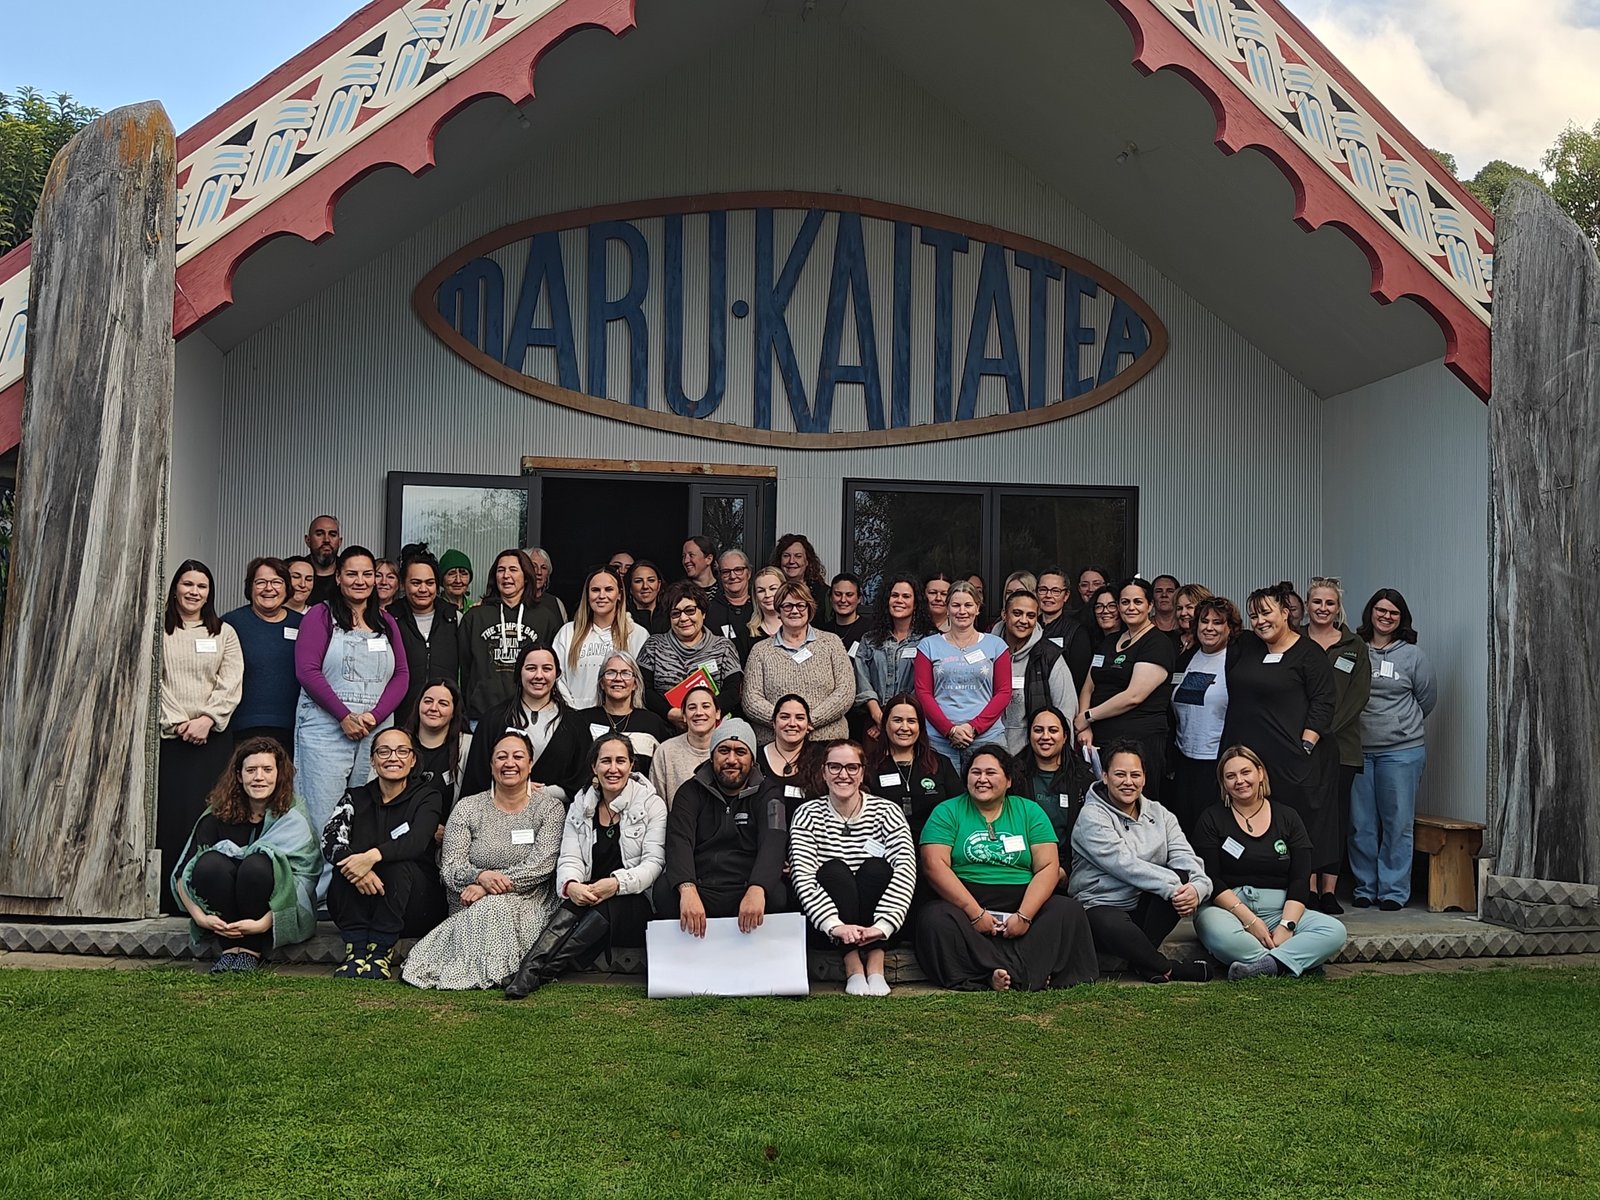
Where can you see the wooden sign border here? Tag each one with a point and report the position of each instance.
(426, 308)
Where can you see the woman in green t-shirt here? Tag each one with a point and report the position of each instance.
(992, 859)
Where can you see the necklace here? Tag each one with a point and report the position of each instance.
(1256, 812)
(788, 760)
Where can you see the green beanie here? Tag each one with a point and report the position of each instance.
(452, 559)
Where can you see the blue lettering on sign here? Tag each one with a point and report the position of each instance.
(861, 305)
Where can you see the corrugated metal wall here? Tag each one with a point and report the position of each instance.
(1224, 446)
(1407, 497)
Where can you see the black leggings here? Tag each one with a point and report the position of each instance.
(1135, 934)
(855, 894)
(184, 776)
(236, 889)
(412, 903)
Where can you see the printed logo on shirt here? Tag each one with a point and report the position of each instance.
(981, 848)
(506, 641)
(1281, 847)
(1193, 688)
(1119, 660)
(929, 785)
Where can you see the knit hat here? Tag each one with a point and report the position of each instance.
(451, 559)
(734, 729)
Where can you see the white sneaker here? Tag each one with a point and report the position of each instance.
(877, 985)
(856, 985)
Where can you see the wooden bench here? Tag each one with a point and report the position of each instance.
(1451, 846)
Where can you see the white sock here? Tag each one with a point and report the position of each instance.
(856, 985)
(877, 985)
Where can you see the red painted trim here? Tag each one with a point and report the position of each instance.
(11, 417)
(15, 259)
(1341, 74)
(258, 93)
(1319, 200)
(205, 282)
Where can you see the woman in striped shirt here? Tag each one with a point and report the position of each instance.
(853, 868)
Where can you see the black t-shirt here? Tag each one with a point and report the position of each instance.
(607, 848)
(848, 634)
(917, 793)
(1278, 857)
(435, 765)
(208, 831)
(1112, 672)
(1053, 792)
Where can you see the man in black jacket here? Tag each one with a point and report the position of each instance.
(725, 845)
(429, 630)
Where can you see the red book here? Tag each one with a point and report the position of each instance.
(698, 678)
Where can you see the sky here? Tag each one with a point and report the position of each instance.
(1483, 79)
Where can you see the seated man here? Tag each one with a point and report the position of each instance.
(725, 846)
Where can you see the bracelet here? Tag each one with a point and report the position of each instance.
(1025, 919)
(979, 917)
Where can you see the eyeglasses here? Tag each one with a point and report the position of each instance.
(794, 606)
(616, 675)
(268, 584)
(842, 768)
(392, 752)
(1105, 608)
(1051, 591)
(688, 610)
(733, 570)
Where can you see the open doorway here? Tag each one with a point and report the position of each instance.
(582, 511)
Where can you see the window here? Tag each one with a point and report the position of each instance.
(921, 528)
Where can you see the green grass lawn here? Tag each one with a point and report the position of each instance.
(169, 1083)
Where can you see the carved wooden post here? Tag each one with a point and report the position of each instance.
(77, 753)
(1544, 535)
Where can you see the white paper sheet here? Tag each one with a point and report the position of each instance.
(769, 961)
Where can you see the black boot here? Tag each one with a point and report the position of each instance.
(572, 938)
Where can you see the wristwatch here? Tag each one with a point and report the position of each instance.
(1291, 926)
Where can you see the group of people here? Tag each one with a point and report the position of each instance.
(1026, 797)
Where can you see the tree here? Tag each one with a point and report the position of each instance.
(1446, 159)
(1574, 167)
(1489, 184)
(32, 129)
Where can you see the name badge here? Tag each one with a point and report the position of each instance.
(1013, 843)
(1018, 682)
(727, 632)
(1060, 643)
(853, 648)
(596, 730)
(377, 646)
(291, 633)
(523, 837)
(1273, 658)
(1099, 660)
(803, 654)
(876, 849)
(974, 656)
(711, 669)
(1066, 800)
(793, 793)
(889, 780)
(1386, 669)
(908, 652)
(209, 646)
(1344, 664)
(1233, 848)
(400, 830)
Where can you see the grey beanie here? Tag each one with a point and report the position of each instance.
(734, 729)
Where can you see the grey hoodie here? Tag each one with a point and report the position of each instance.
(1403, 693)
(1116, 857)
(1063, 693)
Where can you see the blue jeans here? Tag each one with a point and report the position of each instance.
(1383, 808)
(1316, 938)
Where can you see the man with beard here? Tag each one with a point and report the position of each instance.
(725, 846)
(323, 541)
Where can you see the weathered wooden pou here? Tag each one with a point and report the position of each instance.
(1544, 498)
(78, 672)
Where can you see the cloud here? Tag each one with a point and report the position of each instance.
(1483, 79)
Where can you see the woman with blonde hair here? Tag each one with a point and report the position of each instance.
(600, 626)
(764, 587)
(1352, 681)
(801, 659)
(1185, 602)
(1259, 858)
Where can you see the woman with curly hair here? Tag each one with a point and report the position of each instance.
(797, 559)
(886, 656)
(248, 873)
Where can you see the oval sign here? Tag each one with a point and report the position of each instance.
(791, 319)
